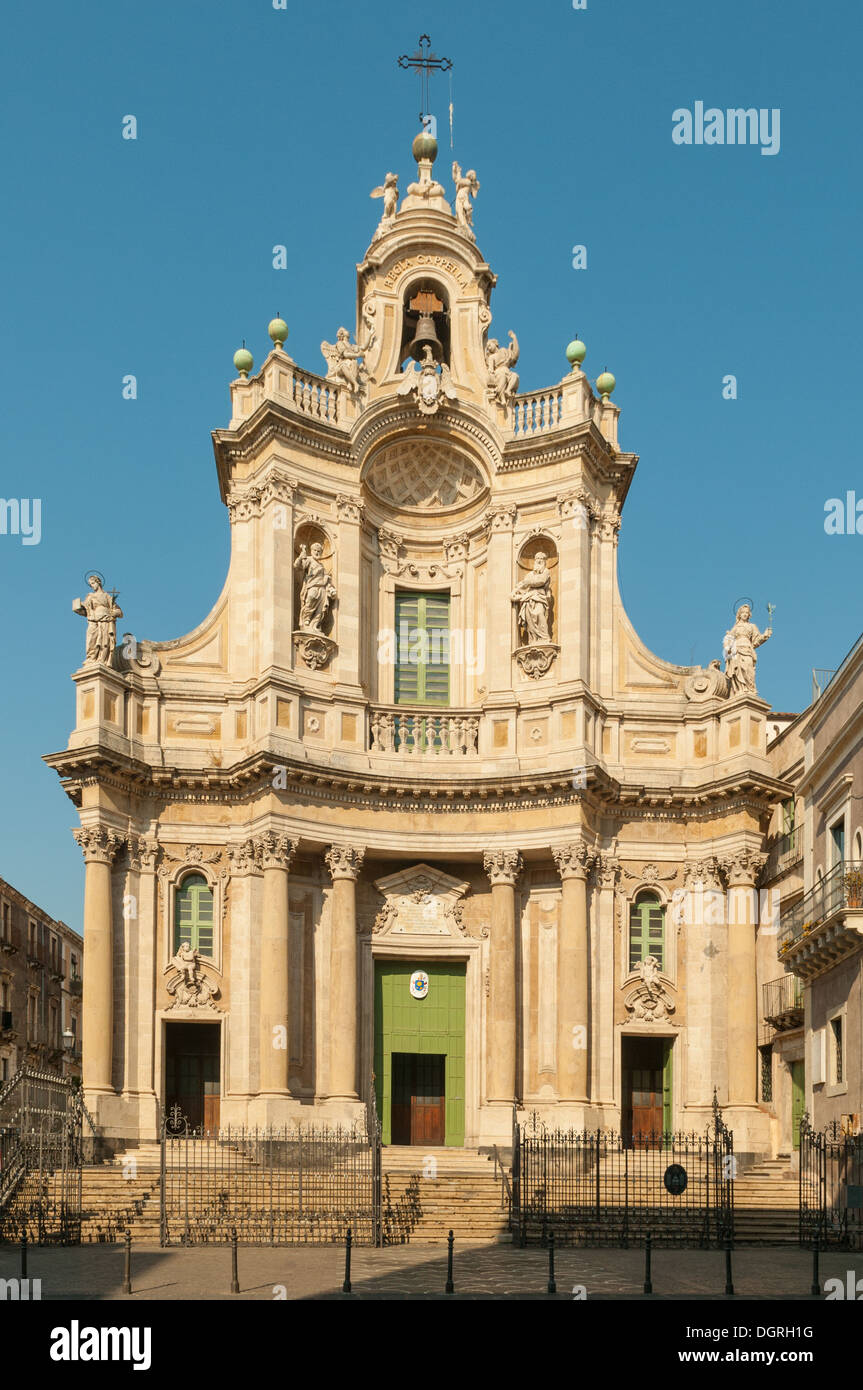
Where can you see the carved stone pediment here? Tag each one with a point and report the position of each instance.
(421, 901)
(648, 1000)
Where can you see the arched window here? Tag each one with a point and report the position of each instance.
(193, 917)
(646, 930)
(858, 846)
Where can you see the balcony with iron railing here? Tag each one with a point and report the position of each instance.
(782, 1003)
(826, 924)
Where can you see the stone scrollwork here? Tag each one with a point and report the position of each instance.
(98, 844)
(344, 861)
(190, 986)
(649, 1001)
(427, 383)
(705, 684)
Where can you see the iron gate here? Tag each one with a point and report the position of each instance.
(274, 1186)
(42, 1151)
(831, 1187)
(592, 1188)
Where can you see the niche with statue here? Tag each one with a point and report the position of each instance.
(534, 599)
(315, 596)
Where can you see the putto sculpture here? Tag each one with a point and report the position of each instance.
(466, 187)
(343, 361)
(101, 611)
(389, 191)
(191, 989)
(738, 648)
(502, 380)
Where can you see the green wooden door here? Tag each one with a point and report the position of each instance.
(667, 1098)
(433, 1026)
(798, 1100)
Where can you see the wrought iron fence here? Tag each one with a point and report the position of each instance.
(275, 1186)
(43, 1147)
(831, 1187)
(593, 1188)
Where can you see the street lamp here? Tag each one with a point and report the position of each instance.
(68, 1040)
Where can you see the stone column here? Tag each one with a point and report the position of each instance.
(99, 845)
(503, 867)
(344, 863)
(274, 853)
(576, 513)
(574, 862)
(604, 1038)
(498, 604)
(349, 616)
(742, 869)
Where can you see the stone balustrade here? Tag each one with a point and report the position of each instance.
(536, 412)
(423, 732)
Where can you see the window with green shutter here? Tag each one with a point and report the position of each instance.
(422, 649)
(646, 930)
(193, 918)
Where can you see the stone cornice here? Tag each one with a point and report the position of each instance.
(246, 781)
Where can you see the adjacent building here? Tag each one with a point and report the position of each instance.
(413, 811)
(41, 982)
(821, 930)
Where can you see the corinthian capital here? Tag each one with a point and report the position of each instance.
(274, 851)
(344, 861)
(743, 867)
(98, 844)
(607, 870)
(574, 860)
(707, 872)
(142, 853)
(502, 866)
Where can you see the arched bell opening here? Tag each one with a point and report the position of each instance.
(425, 323)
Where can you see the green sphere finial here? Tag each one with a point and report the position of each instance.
(278, 331)
(576, 353)
(243, 360)
(424, 147)
(605, 384)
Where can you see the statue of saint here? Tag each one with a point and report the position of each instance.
(101, 611)
(466, 187)
(499, 361)
(533, 596)
(318, 590)
(739, 651)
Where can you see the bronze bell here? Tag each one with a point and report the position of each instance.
(425, 334)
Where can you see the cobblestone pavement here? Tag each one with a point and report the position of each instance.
(95, 1272)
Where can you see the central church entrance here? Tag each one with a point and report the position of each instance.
(192, 1072)
(646, 1112)
(420, 1051)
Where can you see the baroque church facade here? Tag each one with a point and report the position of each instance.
(414, 811)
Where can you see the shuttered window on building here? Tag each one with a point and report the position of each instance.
(193, 921)
(422, 649)
(646, 931)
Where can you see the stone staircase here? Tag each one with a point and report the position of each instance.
(766, 1205)
(427, 1193)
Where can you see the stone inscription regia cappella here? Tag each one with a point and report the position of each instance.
(306, 816)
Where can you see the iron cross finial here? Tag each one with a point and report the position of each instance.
(424, 62)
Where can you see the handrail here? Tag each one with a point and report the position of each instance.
(505, 1186)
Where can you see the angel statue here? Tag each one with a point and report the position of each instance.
(533, 596)
(343, 361)
(318, 590)
(101, 611)
(466, 187)
(389, 191)
(499, 361)
(739, 650)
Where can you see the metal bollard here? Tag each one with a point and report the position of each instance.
(648, 1245)
(346, 1286)
(815, 1290)
(235, 1282)
(127, 1263)
(552, 1286)
(729, 1285)
(24, 1253)
(450, 1287)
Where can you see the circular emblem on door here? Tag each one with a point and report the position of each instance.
(419, 984)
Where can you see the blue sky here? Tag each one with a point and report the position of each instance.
(259, 126)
